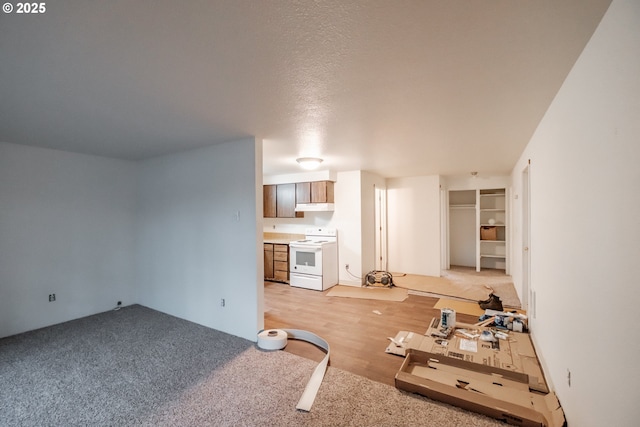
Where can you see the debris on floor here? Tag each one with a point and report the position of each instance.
(490, 367)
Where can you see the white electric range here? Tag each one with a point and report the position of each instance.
(314, 260)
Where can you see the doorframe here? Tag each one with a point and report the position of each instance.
(380, 228)
(445, 256)
(526, 237)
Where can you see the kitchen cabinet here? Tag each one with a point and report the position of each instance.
(322, 192)
(314, 192)
(303, 192)
(279, 201)
(286, 200)
(268, 261)
(269, 201)
(276, 262)
(281, 263)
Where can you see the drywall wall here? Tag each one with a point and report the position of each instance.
(66, 227)
(368, 184)
(479, 182)
(462, 236)
(585, 229)
(347, 220)
(307, 176)
(199, 235)
(413, 206)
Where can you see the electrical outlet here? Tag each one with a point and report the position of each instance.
(222, 302)
(52, 297)
(346, 266)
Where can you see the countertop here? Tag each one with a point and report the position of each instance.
(281, 238)
(277, 241)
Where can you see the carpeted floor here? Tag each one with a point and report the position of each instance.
(137, 366)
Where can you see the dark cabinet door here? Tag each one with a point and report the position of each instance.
(269, 201)
(268, 261)
(286, 205)
(303, 192)
(322, 192)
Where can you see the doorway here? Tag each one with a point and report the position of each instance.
(462, 228)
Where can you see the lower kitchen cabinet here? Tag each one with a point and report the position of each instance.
(268, 261)
(276, 262)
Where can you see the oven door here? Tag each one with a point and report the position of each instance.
(305, 259)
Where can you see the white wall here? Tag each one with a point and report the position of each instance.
(66, 227)
(347, 220)
(585, 230)
(413, 206)
(368, 183)
(462, 236)
(298, 225)
(192, 252)
(306, 176)
(480, 182)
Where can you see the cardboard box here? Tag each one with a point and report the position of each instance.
(488, 233)
(505, 357)
(478, 388)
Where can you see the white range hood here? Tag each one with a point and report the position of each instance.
(314, 207)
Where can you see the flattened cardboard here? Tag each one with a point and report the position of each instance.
(448, 380)
(513, 355)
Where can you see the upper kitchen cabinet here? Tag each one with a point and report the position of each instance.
(321, 192)
(269, 201)
(279, 201)
(314, 192)
(286, 200)
(303, 192)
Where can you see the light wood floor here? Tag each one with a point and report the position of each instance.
(356, 334)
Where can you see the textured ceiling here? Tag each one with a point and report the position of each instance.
(399, 88)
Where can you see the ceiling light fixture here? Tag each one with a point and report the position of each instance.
(309, 162)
